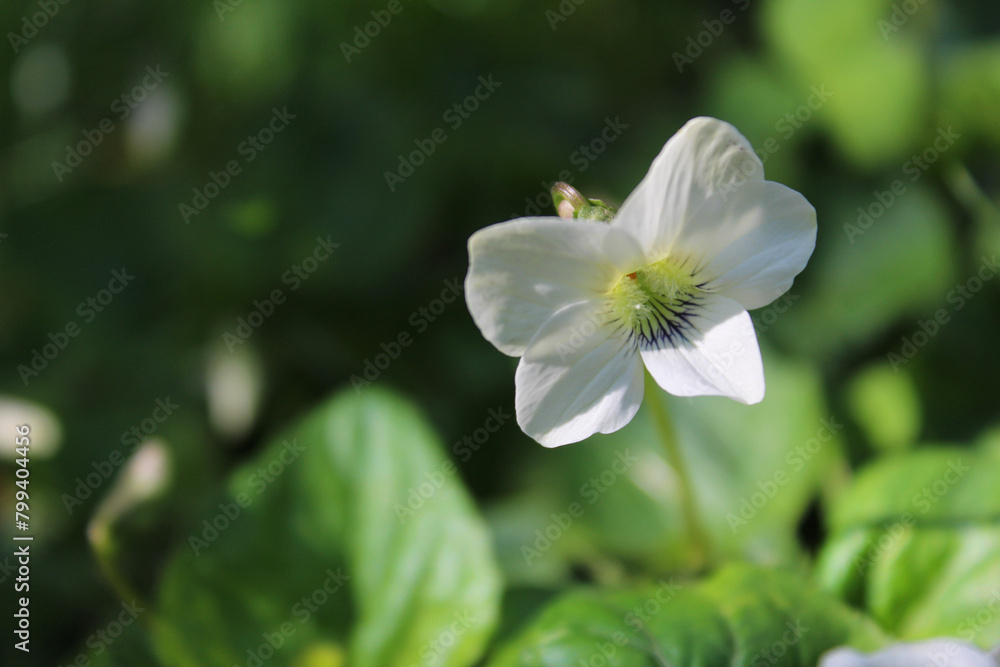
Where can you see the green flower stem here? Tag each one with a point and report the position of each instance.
(980, 207)
(689, 507)
(103, 547)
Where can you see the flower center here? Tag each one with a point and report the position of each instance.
(654, 304)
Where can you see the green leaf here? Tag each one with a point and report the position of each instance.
(970, 77)
(743, 616)
(846, 48)
(886, 405)
(916, 542)
(350, 538)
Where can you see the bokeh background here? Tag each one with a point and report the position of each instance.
(883, 114)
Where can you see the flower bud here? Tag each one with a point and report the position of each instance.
(567, 200)
(570, 204)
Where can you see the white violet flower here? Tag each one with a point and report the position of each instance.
(949, 652)
(666, 285)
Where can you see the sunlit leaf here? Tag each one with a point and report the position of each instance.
(353, 530)
(916, 542)
(742, 617)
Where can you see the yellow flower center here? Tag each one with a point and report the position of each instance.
(655, 303)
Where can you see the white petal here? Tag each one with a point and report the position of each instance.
(706, 158)
(951, 652)
(579, 376)
(720, 358)
(751, 243)
(522, 271)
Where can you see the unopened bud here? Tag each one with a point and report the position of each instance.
(570, 204)
(567, 200)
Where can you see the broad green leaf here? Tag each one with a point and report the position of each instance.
(350, 539)
(743, 616)
(916, 541)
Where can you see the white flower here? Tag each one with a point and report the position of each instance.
(933, 653)
(586, 304)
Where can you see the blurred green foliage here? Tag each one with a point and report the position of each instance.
(887, 333)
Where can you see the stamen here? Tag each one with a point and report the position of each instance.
(655, 304)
